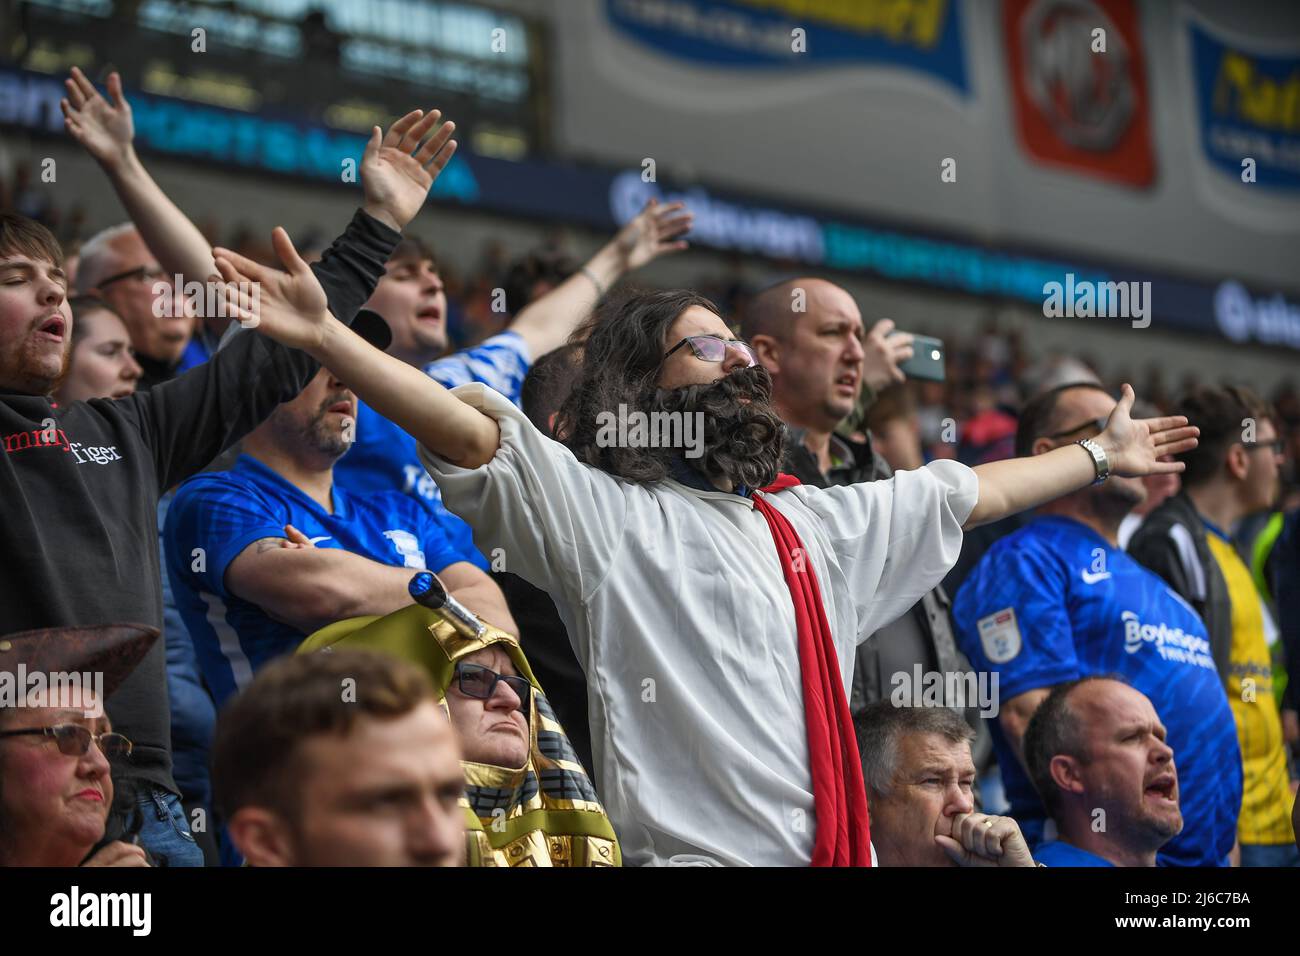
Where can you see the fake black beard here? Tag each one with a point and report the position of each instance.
(744, 442)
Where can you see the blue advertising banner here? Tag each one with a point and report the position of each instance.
(605, 198)
(1248, 107)
(919, 35)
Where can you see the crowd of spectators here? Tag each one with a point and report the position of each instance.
(277, 529)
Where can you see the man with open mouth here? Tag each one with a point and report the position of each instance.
(1097, 752)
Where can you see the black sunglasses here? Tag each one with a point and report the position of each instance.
(1278, 445)
(713, 348)
(478, 681)
(74, 740)
(1097, 423)
(140, 272)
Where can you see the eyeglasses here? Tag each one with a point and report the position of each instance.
(1278, 445)
(140, 272)
(74, 740)
(713, 348)
(480, 682)
(1097, 423)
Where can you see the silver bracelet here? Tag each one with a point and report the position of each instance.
(1099, 459)
(600, 289)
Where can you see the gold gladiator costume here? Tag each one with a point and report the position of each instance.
(545, 813)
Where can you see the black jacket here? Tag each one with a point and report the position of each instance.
(1172, 543)
(79, 487)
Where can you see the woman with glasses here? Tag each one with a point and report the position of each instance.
(57, 746)
(55, 786)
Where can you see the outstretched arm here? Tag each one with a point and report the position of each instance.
(397, 169)
(1133, 448)
(106, 131)
(657, 230)
(291, 309)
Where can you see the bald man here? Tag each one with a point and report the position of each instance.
(808, 333)
(1098, 755)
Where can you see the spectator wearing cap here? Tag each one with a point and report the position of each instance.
(1098, 754)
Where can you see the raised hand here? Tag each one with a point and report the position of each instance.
(1136, 447)
(288, 306)
(398, 169)
(655, 231)
(978, 839)
(105, 129)
(883, 353)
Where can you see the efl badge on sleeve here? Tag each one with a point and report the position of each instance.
(1000, 636)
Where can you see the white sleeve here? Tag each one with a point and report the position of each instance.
(895, 539)
(558, 522)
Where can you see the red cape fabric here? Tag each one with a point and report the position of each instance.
(839, 796)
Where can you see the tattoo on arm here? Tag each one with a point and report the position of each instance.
(268, 544)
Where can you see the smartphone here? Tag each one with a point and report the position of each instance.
(927, 359)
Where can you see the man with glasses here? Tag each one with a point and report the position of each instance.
(715, 607)
(1058, 600)
(1233, 473)
(118, 267)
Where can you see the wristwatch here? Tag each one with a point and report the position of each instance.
(1099, 459)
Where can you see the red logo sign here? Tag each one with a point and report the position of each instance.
(1075, 105)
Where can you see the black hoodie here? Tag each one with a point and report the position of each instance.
(79, 487)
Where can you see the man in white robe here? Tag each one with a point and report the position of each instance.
(670, 586)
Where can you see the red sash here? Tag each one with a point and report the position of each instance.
(839, 796)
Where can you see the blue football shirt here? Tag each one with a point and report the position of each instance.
(1053, 602)
(1063, 854)
(384, 458)
(224, 512)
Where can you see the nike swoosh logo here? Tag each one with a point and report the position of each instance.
(1094, 578)
(324, 537)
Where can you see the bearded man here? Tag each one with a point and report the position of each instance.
(716, 622)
